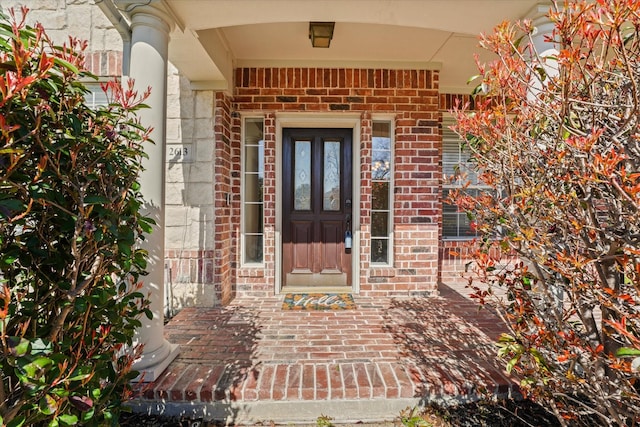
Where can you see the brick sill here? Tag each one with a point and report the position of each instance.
(251, 272)
(382, 272)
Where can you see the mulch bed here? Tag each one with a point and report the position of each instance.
(506, 413)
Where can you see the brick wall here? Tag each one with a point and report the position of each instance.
(224, 164)
(456, 261)
(104, 63)
(413, 99)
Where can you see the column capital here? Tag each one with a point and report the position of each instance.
(538, 12)
(153, 13)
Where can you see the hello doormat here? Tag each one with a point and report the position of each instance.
(304, 301)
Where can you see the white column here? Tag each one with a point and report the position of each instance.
(547, 51)
(148, 67)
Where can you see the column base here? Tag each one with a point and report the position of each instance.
(151, 365)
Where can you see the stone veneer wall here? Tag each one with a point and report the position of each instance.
(413, 99)
(190, 210)
(82, 19)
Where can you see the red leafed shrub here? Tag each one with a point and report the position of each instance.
(70, 228)
(557, 141)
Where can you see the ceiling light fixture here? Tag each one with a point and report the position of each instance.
(321, 33)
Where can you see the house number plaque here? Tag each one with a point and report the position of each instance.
(179, 153)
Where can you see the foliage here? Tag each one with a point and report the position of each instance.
(69, 226)
(324, 421)
(487, 413)
(557, 139)
(412, 417)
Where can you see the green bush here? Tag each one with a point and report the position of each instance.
(70, 226)
(556, 140)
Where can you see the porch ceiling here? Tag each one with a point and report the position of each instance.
(212, 37)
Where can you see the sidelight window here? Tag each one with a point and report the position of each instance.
(252, 192)
(382, 197)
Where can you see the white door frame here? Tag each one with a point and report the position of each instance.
(320, 120)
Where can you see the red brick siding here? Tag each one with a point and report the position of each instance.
(450, 100)
(456, 261)
(195, 266)
(106, 63)
(412, 96)
(225, 222)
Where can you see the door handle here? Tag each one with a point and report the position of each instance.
(347, 233)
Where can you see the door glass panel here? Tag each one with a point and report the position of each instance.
(331, 188)
(302, 176)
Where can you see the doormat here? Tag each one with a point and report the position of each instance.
(318, 302)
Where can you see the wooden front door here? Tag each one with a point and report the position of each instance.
(317, 207)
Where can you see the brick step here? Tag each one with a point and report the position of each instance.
(253, 362)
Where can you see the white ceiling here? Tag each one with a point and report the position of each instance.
(214, 36)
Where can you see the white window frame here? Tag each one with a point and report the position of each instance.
(243, 233)
(448, 134)
(95, 88)
(390, 246)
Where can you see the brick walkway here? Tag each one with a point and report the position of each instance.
(253, 362)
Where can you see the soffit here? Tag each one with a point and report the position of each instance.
(214, 36)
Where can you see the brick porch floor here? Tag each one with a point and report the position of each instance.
(252, 362)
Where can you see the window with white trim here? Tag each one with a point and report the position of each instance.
(252, 190)
(457, 171)
(381, 193)
(96, 97)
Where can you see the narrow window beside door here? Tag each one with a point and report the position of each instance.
(252, 196)
(382, 184)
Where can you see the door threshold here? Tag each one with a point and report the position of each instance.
(317, 289)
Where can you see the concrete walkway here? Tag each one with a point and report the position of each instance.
(252, 362)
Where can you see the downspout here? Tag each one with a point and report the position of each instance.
(121, 24)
